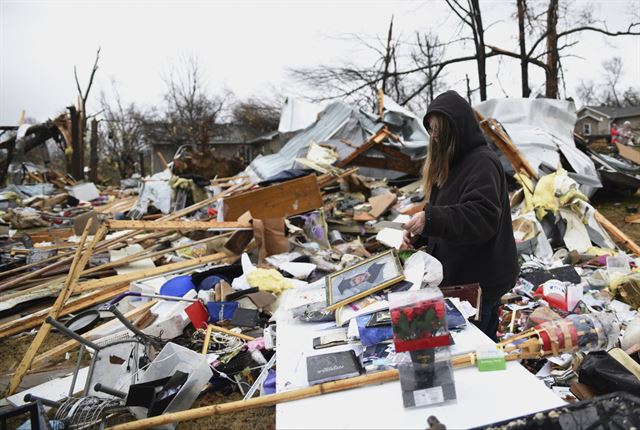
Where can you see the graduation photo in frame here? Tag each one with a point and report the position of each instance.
(360, 280)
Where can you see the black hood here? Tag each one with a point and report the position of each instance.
(460, 113)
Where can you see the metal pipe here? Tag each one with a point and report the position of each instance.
(72, 334)
(31, 398)
(108, 390)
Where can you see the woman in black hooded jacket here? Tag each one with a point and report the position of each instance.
(466, 223)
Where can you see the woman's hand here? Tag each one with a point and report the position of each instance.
(412, 228)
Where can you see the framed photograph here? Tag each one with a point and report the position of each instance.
(360, 280)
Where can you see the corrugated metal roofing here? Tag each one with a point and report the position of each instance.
(337, 120)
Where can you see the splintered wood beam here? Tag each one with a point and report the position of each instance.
(520, 164)
(377, 138)
(276, 201)
(35, 319)
(106, 244)
(79, 261)
(176, 225)
(330, 178)
(494, 131)
(148, 273)
(614, 230)
(261, 401)
(387, 163)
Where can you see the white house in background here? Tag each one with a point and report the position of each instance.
(594, 122)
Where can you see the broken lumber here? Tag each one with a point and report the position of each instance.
(74, 305)
(628, 153)
(611, 228)
(262, 401)
(176, 225)
(79, 261)
(377, 137)
(520, 164)
(117, 241)
(276, 201)
(494, 130)
(149, 273)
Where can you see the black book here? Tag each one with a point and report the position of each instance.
(333, 366)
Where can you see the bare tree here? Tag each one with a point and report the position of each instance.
(613, 73)
(122, 135)
(401, 69)
(256, 116)
(78, 116)
(191, 113)
(470, 15)
(562, 22)
(608, 92)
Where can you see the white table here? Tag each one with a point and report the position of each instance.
(482, 397)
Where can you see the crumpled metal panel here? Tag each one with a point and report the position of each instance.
(542, 129)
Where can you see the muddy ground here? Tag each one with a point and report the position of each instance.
(612, 206)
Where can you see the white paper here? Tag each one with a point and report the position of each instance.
(401, 219)
(118, 254)
(563, 360)
(85, 192)
(298, 270)
(347, 312)
(545, 371)
(390, 237)
(428, 396)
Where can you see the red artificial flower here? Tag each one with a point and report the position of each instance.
(408, 312)
(395, 316)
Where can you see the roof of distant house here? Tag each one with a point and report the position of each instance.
(615, 112)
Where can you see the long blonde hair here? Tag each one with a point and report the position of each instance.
(442, 142)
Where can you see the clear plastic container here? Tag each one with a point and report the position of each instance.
(171, 359)
(617, 266)
(418, 319)
(428, 379)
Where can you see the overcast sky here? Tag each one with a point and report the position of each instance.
(246, 46)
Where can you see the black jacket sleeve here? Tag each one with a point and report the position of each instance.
(475, 218)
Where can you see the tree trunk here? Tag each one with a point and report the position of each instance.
(479, 42)
(10, 146)
(553, 59)
(93, 152)
(82, 125)
(524, 64)
(76, 164)
(387, 58)
(141, 159)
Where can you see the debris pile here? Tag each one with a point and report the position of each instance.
(174, 285)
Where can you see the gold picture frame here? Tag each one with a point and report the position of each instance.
(360, 280)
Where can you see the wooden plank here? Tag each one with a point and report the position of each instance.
(378, 137)
(276, 201)
(67, 346)
(144, 254)
(79, 261)
(148, 273)
(387, 164)
(494, 131)
(176, 225)
(628, 153)
(633, 247)
(504, 143)
(74, 305)
(121, 239)
(261, 401)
